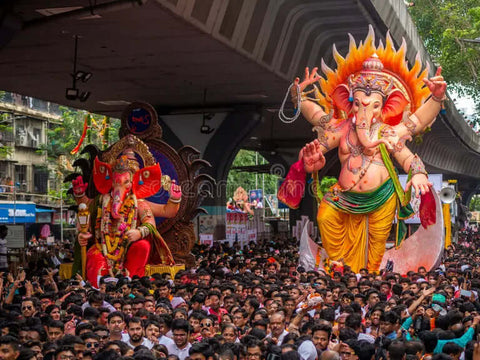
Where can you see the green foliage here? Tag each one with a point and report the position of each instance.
(5, 127)
(64, 137)
(443, 25)
(326, 183)
(61, 194)
(474, 203)
(247, 180)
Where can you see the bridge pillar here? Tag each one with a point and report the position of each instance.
(219, 147)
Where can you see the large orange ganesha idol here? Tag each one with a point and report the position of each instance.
(368, 108)
(123, 233)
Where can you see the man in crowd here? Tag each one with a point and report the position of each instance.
(227, 308)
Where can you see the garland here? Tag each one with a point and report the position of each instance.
(113, 239)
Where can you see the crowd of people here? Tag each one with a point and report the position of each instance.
(252, 303)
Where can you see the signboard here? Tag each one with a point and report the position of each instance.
(207, 224)
(435, 179)
(16, 236)
(206, 239)
(256, 198)
(236, 226)
(17, 213)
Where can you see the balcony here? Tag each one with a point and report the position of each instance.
(7, 194)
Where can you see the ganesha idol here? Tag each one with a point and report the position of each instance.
(368, 108)
(122, 233)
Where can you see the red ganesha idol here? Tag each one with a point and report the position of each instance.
(122, 233)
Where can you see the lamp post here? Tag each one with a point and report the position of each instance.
(14, 188)
(14, 203)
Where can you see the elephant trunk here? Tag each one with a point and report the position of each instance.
(118, 198)
(364, 135)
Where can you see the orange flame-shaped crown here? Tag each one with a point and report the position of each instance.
(388, 67)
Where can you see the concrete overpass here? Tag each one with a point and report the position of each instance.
(225, 63)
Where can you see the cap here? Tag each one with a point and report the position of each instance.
(177, 301)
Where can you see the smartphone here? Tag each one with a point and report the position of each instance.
(465, 293)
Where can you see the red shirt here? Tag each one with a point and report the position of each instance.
(221, 312)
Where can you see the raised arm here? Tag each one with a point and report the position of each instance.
(310, 110)
(427, 113)
(170, 209)
(79, 188)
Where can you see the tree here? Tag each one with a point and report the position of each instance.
(247, 180)
(443, 26)
(5, 127)
(63, 137)
(474, 203)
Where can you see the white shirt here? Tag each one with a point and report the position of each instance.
(181, 353)
(145, 342)
(280, 338)
(165, 340)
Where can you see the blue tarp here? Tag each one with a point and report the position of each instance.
(41, 210)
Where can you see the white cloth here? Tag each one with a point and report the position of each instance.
(366, 337)
(104, 304)
(3, 253)
(307, 350)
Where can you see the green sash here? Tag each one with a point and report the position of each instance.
(353, 202)
(404, 209)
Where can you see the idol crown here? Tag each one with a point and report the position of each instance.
(124, 163)
(371, 78)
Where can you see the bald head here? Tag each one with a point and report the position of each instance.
(330, 355)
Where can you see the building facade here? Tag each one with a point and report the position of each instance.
(25, 122)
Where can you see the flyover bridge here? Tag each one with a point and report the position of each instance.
(225, 64)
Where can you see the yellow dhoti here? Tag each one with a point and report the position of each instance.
(358, 239)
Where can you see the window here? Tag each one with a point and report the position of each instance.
(21, 177)
(6, 136)
(40, 179)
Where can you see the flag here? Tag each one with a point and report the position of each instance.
(310, 252)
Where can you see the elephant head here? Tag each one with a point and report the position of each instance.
(370, 97)
(124, 178)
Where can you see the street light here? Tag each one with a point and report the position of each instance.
(61, 211)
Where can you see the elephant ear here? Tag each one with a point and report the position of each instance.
(147, 181)
(340, 97)
(102, 176)
(394, 107)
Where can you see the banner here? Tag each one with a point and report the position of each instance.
(236, 227)
(256, 198)
(271, 201)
